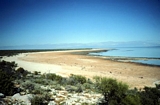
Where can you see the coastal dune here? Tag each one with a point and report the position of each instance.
(69, 62)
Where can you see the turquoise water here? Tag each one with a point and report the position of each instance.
(149, 52)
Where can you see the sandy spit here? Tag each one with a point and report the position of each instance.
(65, 63)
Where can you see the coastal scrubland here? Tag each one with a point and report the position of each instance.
(46, 88)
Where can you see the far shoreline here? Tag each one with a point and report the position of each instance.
(86, 52)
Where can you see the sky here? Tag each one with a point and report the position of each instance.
(45, 22)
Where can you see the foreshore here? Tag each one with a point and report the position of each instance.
(78, 62)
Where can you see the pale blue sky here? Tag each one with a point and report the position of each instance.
(32, 22)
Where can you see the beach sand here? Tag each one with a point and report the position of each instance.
(65, 63)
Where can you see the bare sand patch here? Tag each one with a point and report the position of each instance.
(66, 63)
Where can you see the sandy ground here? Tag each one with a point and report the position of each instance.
(64, 63)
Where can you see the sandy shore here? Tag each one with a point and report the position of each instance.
(65, 63)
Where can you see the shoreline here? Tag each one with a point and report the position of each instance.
(118, 58)
(137, 60)
(128, 59)
(65, 63)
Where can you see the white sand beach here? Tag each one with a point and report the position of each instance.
(65, 63)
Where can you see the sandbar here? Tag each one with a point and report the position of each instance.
(76, 62)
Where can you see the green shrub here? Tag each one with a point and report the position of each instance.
(12, 64)
(79, 88)
(150, 96)
(70, 88)
(58, 87)
(70, 81)
(38, 89)
(36, 73)
(112, 90)
(75, 79)
(88, 86)
(89, 81)
(21, 71)
(6, 84)
(131, 100)
(53, 77)
(41, 99)
(42, 81)
(28, 85)
(37, 100)
(58, 78)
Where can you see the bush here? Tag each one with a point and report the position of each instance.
(112, 90)
(41, 99)
(58, 87)
(36, 73)
(21, 71)
(70, 81)
(88, 86)
(8, 68)
(150, 96)
(37, 100)
(79, 88)
(70, 88)
(131, 100)
(39, 90)
(28, 85)
(54, 77)
(6, 84)
(42, 81)
(75, 79)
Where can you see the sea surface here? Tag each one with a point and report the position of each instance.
(144, 52)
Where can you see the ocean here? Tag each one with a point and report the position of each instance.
(145, 52)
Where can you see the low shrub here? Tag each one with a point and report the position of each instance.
(6, 84)
(41, 99)
(42, 81)
(58, 87)
(88, 86)
(79, 88)
(113, 91)
(28, 85)
(70, 81)
(150, 96)
(53, 77)
(70, 88)
(36, 73)
(21, 71)
(39, 90)
(75, 79)
(38, 100)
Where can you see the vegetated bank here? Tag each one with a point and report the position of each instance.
(15, 52)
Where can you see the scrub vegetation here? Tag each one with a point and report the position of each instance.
(15, 52)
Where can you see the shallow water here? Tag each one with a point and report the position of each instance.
(152, 62)
(149, 52)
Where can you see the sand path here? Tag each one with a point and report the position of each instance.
(64, 63)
